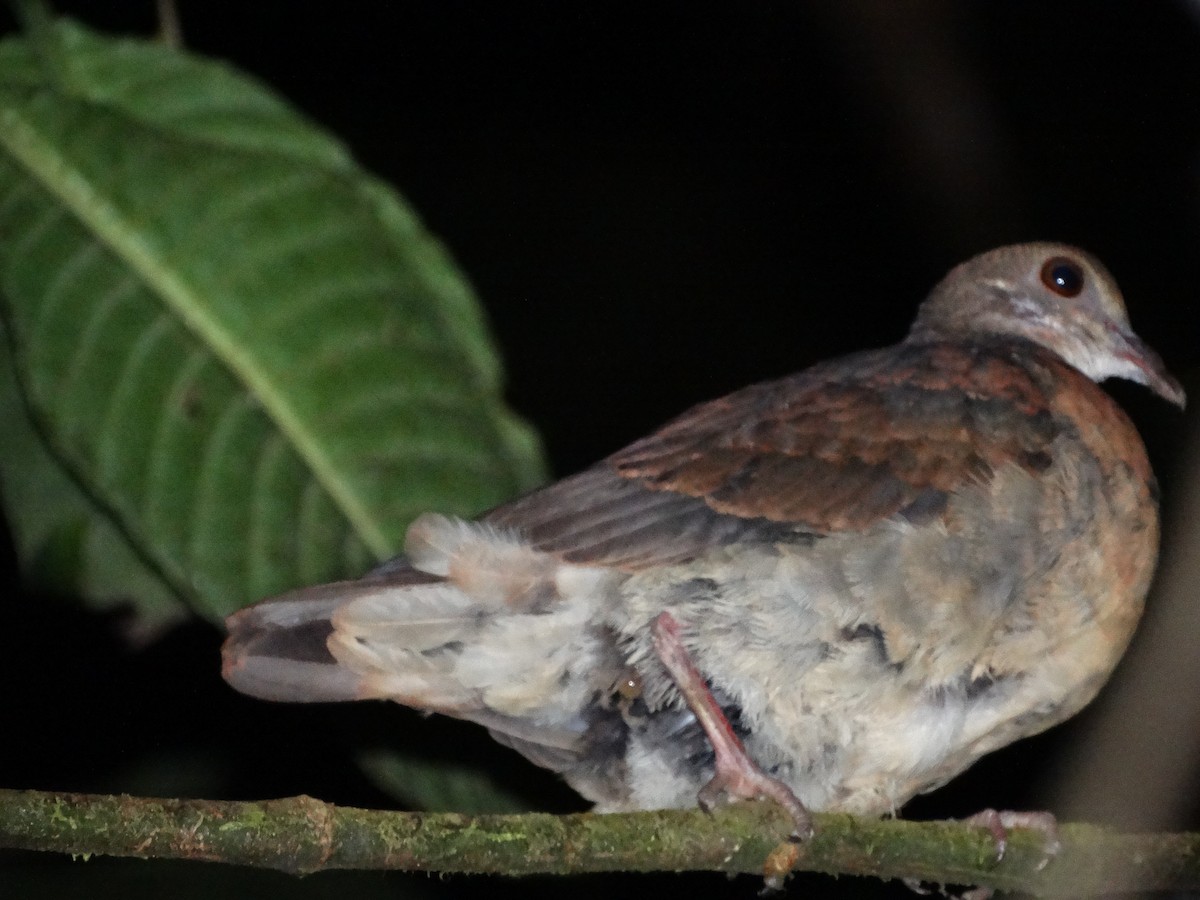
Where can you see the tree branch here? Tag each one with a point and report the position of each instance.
(302, 835)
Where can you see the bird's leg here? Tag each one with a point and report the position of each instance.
(737, 775)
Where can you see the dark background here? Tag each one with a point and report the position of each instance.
(656, 206)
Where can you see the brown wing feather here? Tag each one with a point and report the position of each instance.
(599, 517)
(836, 448)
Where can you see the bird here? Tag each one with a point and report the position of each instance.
(837, 590)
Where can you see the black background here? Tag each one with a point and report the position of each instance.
(656, 205)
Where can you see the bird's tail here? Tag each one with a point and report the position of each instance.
(280, 649)
(473, 622)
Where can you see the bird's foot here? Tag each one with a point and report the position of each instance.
(737, 775)
(1000, 822)
(740, 778)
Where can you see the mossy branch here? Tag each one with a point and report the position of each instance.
(301, 835)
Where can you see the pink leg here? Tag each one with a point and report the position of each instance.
(736, 773)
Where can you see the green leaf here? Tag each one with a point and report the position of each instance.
(248, 354)
(65, 546)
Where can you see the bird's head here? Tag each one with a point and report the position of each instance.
(1054, 295)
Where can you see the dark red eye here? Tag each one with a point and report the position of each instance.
(1063, 276)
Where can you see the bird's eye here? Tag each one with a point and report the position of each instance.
(1063, 276)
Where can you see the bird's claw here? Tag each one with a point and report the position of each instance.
(741, 779)
(1000, 822)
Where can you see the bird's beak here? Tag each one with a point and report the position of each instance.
(1148, 367)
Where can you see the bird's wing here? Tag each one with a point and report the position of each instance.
(834, 449)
